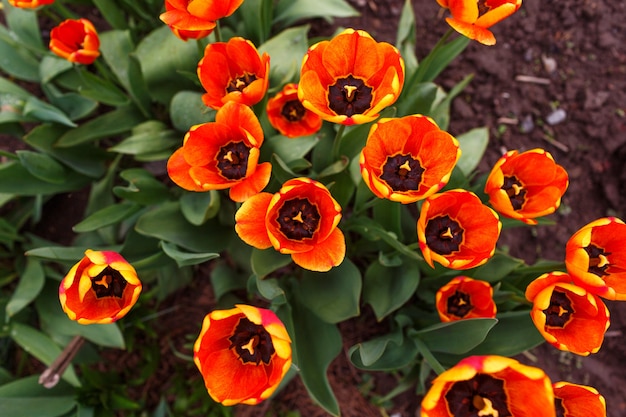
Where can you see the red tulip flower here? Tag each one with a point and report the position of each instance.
(465, 298)
(243, 354)
(526, 185)
(29, 4)
(572, 400)
(101, 288)
(566, 315)
(350, 78)
(287, 114)
(470, 20)
(223, 154)
(233, 71)
(595, 257)
(408, 159)
(75, 40)
(300, 219)
(490, 386)
(195, 19)
(456, 230)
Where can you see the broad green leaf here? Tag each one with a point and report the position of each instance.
(200, 207)
(73, 104)
(31, 282)
(438, 59)
(42, 166)
(371, 230)
(456, 337)
(288, 149)
(225, 279)
(51, 66)
(187, 110)
(91, 86)
(107, 216)
(385, 353)
(18, 61)
(290, 11)
(280, 170)
(41, 347)
(334, 295)
(473, 146)
(25, 25)
(116, 47)
(147, 142)
(183, 258)
(406, 37)
(143, 188)
(15, 179)
(30, 387)
(266, 261)
(63, 254)
(45, 112)
(7, 87)
(387, 288)
(270, 289)
(112, 13)
(441, 113)
(286, 49)
(37, 406)
(497, 268)
(417, 99)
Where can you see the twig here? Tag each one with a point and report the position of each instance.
(51, 376)
(532, 79)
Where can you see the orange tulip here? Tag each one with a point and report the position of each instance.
(465, 298)
(526, 185)
(195, 19)
(572, 400)
(300, 219)
(595, 257)
(243, 354)
(233, 71)
(468, 20)
(223, 154)
(287, 114)
(490, 386)
(101, 288)
(456, 230)
(75, 40)
(408, 159)
(566, 315)
(29, 4)
(350, 78)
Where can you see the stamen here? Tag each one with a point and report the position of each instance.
(251, 344)
(484, 406)
(406, 167)
(298, 217)
(105, 281)
(350, 90)
(603, 260)
(447, 234)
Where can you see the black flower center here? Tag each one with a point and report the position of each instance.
(298, 219)
(515, 190)
(598, 261)
(108, 283)
(232, 160)
(239, 83)
(443, 235)
(483, 396)
(558, 406)
(293, 111)
(251, 342)
(459, 304)
(349, 96)
(402, 173)
(560, 310)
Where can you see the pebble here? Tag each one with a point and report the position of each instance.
(549, 63)
(527, 124)
(556, 117)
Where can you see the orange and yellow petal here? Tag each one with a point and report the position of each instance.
(75, 40)
(325, 255)
(250, 221)
(464, 298)
(573, 400)
(252, 184)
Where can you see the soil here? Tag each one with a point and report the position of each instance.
(575, 49)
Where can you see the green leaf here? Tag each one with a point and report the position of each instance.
(51, 66)
(16, 179)
(417, 99)
(41, 347)
(30, 285)
(270, 289)
(456, 337)
(385, 353)
(473, 146)
(37, 406)
(290, 11)
(200, 207)
(183, 258)
(264, 262)
(107, 216)
(286, 50)
(371, 230)
(45, 112)
(441, 113)
(30, 387)
(225, 279)
(147, 142)
(187, 110)
(42, 166)
(406, 37)
(112, 13)
(142, 188)
(104, 91)
(62, 254)
(288, 149)
(25, 25)
(334, 295)
(387, 288)
(17, 61)
(439, 58)
(497, 268)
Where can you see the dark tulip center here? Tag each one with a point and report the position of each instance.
(560, 310)
(239, 83)
(298, 219)
(252, 342)
(402, 173)
(443, 235)
(481, 396)
(558, 406)
(459, 304)
(598, 261)
(293, 111)
(515, 190)
(349, 96)
(232, 160)
(108, 283)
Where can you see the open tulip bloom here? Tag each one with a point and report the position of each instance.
(75, 40)
(29, 4)
(468, 20)
(101, 288)
(300, 219)
(566, 315)
(526, 185)
(465, 298)
(350, 78)
(456, 230)
(595, 257)
(223, 154)
(195, 19)
(286, 114)
(243, 354)
(490, 386)
(408, 159)
(573, 400)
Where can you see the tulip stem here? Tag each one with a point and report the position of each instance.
(428, 356)
(217, 32)
(337, 142)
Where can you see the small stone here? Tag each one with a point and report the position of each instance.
(549, 63)
(527, 124)
(556, 117)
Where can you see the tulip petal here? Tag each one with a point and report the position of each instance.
(250, 221)
(324, 255)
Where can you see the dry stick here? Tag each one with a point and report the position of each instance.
(531, 79)
(51, 376)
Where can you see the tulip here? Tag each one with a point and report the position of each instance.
(101, 288)
(243, 354)
(465, 298)
(408, 159)
(350, 78)
(287, 114)
(75, 40)
(29, 4)
(572, 400)
(195, 19)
